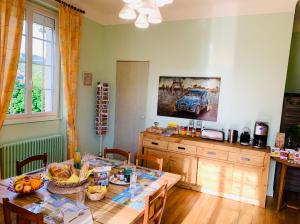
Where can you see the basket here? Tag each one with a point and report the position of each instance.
(72, 181)
(95, 196)
(65, 184)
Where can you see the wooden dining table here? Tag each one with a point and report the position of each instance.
(105, 211)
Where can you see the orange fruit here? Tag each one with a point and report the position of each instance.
(27, 183)
(27, 189)
(35, 184)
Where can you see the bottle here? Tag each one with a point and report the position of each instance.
(133, 179)
(189, 131)
(77, 159)
(193, 132)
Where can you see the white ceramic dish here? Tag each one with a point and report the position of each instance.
(114, 180)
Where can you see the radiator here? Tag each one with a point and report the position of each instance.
(15, 151)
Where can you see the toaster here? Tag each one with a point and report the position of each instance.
(213, 134)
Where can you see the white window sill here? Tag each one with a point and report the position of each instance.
(17, 119)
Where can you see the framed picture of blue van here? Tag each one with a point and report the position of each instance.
(189, 97)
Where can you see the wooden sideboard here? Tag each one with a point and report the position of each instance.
(219, 168)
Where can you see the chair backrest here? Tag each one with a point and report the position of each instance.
(22, 163)
(119, 152)
(153, 159)
(23, 215)
(155, 205)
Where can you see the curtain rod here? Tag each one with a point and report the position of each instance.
(71, 6)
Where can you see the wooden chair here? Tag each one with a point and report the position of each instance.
(24, 162)
(23, 215)
(155, 205)
(153, 159)
(119, 152)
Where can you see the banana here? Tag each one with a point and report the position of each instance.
(18, 178)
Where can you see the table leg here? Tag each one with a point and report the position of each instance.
(281, 186)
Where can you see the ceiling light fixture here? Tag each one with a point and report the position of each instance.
(161, 3)
(144, 11)
(155, 17)
(142, 22)
(127, 13)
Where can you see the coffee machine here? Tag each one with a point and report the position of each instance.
(260, 135)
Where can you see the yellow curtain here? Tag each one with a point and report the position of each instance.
(69, 40)
(11, 24)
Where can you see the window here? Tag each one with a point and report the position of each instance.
(36, 88)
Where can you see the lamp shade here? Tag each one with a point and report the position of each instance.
(161, 3)
(127, 13)
(142, 21)
(146, 7)
(155, 17)
(134, 5)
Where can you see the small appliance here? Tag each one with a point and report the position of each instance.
(260, 136)
(232, 136)
(212, 134)
(245, 136)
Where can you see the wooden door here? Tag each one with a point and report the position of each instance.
(159, 154)
(131, 98)
(184, 165)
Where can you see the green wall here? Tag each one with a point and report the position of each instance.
(249, 53)
(91, 60)
(293, 75)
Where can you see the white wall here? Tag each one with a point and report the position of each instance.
(249, 53)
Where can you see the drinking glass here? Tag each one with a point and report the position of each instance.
(80, 197)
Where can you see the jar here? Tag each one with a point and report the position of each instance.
(101, 175)
(121, 175)
(127, 174)
(183, 131)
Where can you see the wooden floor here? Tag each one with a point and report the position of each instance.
(190, 207)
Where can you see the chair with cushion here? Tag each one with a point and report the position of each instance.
(23, 215)
(119, 152)
(149, 158)
(20, 164)
(154, 205)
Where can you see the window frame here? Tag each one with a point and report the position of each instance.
(30, 116)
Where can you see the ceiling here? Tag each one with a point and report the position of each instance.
(106, 11)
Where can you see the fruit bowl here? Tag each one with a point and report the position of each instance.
(26, 184)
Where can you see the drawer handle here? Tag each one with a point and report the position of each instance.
(181, 148)
(154, 143)
(245, 159)
(211, 153)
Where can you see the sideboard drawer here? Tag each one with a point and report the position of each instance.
(181, 148)
(157, 144)
(212, 153)
(246, 159)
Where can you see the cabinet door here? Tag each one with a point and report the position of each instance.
(184, 165)
(214, 176)
(159, 154)
(247, 182)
